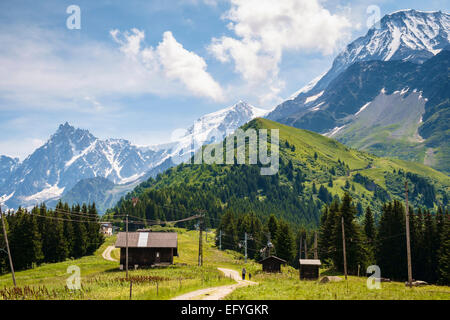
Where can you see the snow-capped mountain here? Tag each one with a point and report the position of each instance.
(7, 166)
(213, 127)
(67, 157)
(72, 155)
(407, 35)
(386, 93)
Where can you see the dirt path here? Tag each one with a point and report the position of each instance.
(107, 253)
(217, 293)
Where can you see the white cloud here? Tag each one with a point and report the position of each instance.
(171, 60)
(263, 29)
(50, 70)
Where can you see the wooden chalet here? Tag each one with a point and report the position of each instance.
(147, 249)
(309, 269)
(272, 264)
(106, 228)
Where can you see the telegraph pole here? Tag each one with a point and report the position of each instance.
(306, 248)
(343, 246)
(7, 248)
(300, 248)
(135, 201)
(245, 247)
(200, 243)
(220, 239)
(316, 256)
(408, 244)
(126, 246)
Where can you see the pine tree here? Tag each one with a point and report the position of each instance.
(25, 242)
(416, 244)
(327, 227)
(431, 242)
(370, 233)
(95, 238)
(391, 247)
(272, 227)
(444, 253)
(69, 235)
(229, 231)
(356, 254)
(4, 264)
(251, 224)
(285, 242)
(80, 233)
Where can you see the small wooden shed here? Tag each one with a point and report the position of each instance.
(309, 269)
(272, 264)
(147, 248)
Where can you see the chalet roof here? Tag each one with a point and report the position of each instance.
(273, 258)
(310, 262)
(147, 240)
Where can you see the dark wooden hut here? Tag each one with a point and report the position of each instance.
(272, 264)
(309, 269)
(147, 248)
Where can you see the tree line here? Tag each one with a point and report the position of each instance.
(45, 235)
(239, 188)
(370, 242)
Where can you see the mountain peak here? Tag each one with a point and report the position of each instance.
(66, 127)
(407, 35)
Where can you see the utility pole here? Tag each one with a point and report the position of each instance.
(300, 248)
(220, 239)
(200, 242)
(126, 246)
(343, 246)
(7, 248)
(306, 248)
(245, 237)
(316, 256)
(408, 244)
(134, 200)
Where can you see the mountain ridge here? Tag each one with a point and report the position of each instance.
(411, 44)
(313, 169)
(72, 155)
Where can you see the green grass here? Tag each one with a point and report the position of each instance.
(287, 286)
(102, 279)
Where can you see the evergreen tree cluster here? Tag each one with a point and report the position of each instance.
(241, 189)
(384, 243)
(283, 236)
(44, 235)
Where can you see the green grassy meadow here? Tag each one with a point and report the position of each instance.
(287, 286)
(102, 279)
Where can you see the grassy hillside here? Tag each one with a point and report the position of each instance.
(102, 279)
(308, 161)
(287, 286)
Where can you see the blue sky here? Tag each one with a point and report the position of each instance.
(140, 69)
